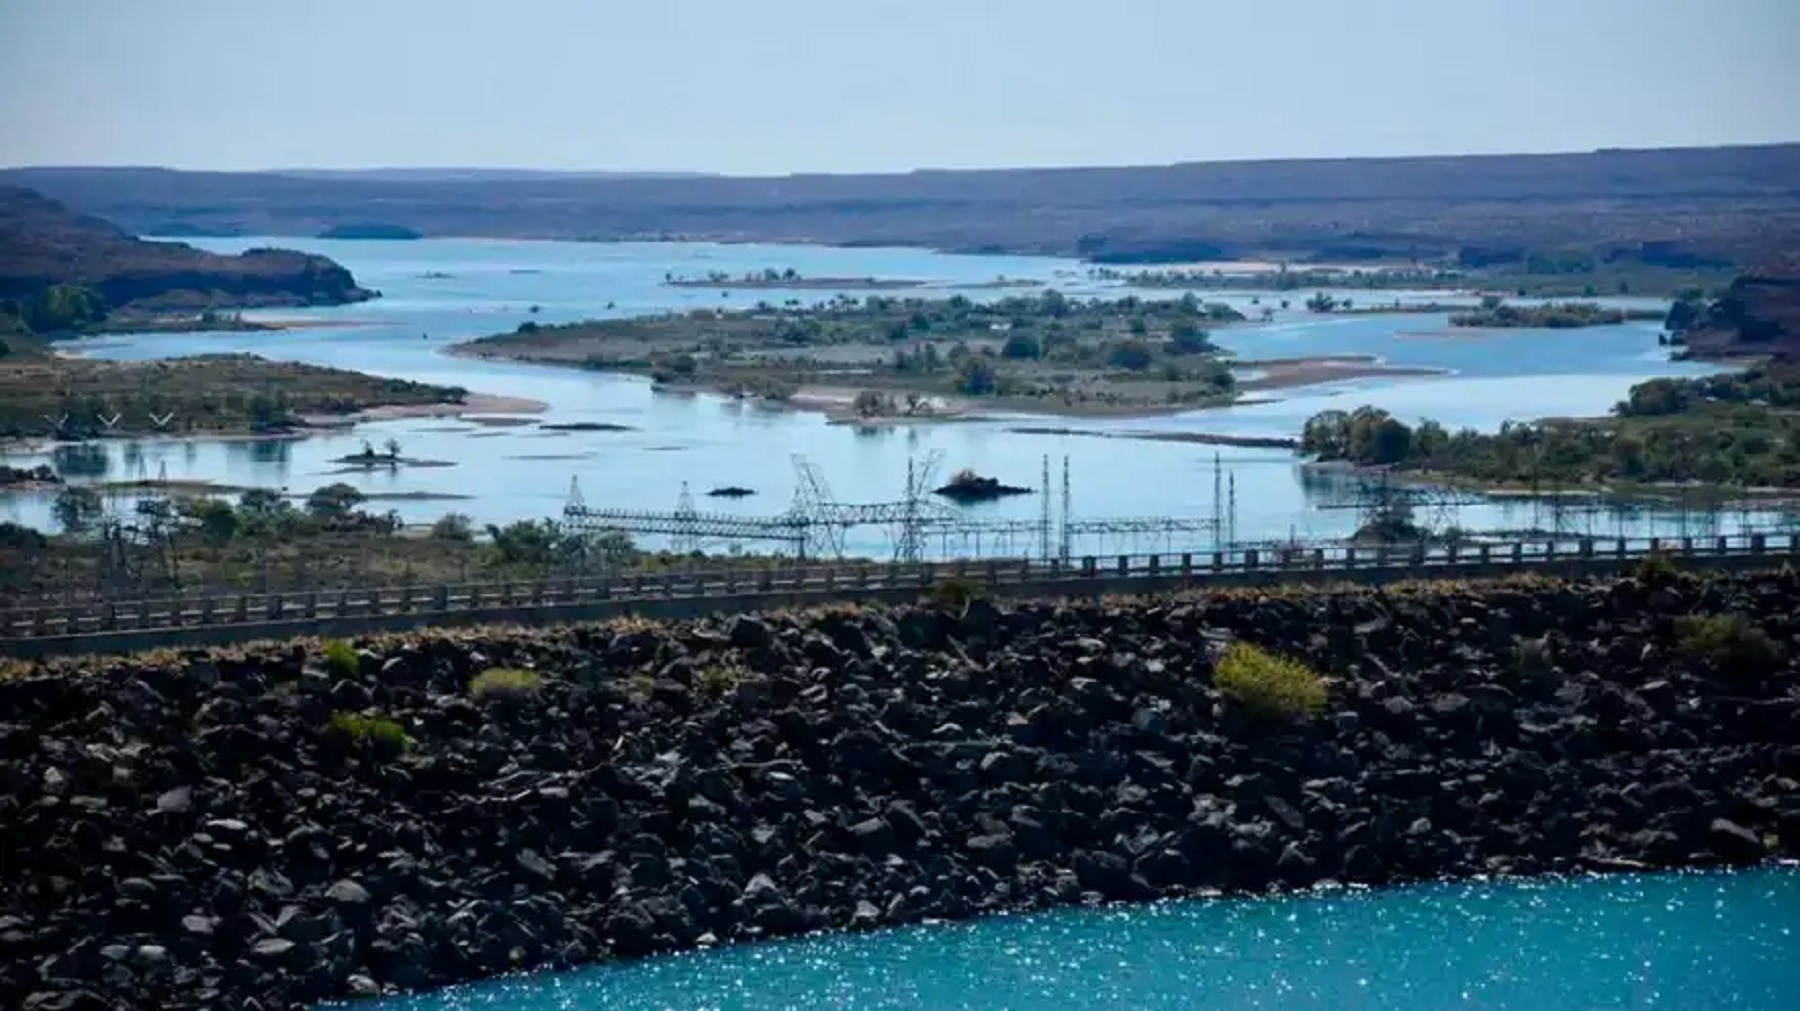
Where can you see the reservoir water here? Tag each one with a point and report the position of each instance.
(438, 292)
(1683, 942)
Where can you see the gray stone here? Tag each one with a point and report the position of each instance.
(348, 893)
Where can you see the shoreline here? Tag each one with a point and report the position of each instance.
(1197, 438)
(476, 407)
(151, 325)
(473, 404)
(795, 773)
(1646, 493)
(204, 488)
(799, 284)
(833, 400)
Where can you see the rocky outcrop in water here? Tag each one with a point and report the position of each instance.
(250, 830)
(1759, 315)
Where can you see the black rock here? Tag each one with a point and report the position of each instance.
(1734, 843)
(188, 836)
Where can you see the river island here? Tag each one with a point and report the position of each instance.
(890, 359)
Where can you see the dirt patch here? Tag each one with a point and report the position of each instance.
(477, 408)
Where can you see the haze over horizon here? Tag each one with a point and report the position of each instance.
(808, 86)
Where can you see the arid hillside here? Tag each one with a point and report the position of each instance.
(1676, 207)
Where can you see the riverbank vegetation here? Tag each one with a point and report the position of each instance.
(334, 537)
(43, 395)
(1535, 275)
(1496, 314)
(63, 311)
(1044, 352)
(1740, 430)
(787, 278)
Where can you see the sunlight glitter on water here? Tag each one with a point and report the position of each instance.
(1701, 940)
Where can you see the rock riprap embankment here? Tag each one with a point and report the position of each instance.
(271, 828)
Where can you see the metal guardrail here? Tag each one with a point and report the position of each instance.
(503, 599)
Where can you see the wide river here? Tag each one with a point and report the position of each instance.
(438, 292)
(1683, 942)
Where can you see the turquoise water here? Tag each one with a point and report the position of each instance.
(1673, 941)
(503, 474)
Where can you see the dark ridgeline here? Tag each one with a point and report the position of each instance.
(289, 824)
(1676, 208)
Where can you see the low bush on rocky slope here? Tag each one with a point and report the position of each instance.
(954, 594)
(376, 730)
(1730, 643)
(341, 659)
(504, 683)
(1269, 684)
(199, 829)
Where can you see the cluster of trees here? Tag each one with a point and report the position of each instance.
(58, 309)
(259, 512)
(895, 320)
(769, 275)
(1777, 388)
(1184, 357)
(335, 509)
(1285, 279)
(876, 404)
(1494, 313)
(1665, 431)
(539, 545)
(972, 346)
(1321, 302)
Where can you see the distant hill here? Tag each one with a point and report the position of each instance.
(1758, 315)
(1706, 208)
(44, 244)
(426, 175)
(369, 230)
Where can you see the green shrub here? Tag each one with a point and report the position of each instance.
(954, 594)
(375, 729)
(504, 683)
(716, 681)
(453, 527)
(1729, 642)
(341, 659)
(1656, 569)
(1268, 684)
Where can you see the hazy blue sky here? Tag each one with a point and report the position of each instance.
(758, 86)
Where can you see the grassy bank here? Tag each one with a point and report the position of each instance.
(45, 395)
